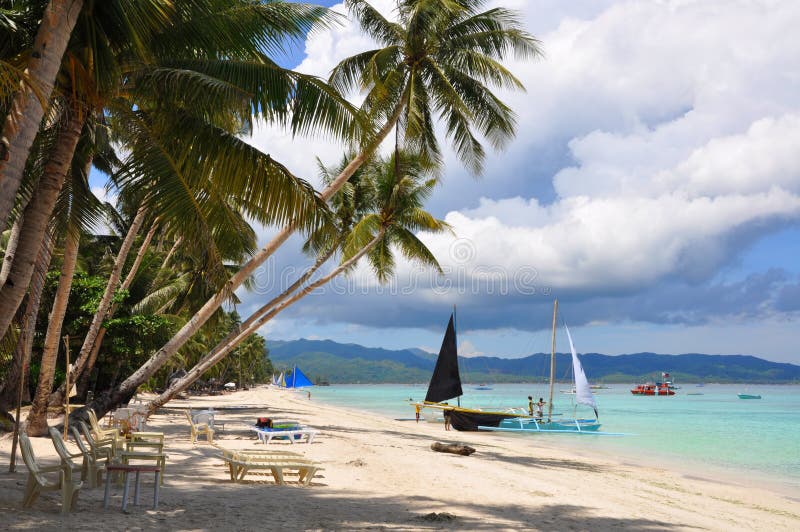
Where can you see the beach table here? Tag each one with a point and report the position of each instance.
(126, 470)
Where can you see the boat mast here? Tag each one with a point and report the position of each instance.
(455, 330)
(552, 364)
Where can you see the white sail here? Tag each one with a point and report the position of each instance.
(583, 393)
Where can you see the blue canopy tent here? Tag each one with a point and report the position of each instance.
(296, 379)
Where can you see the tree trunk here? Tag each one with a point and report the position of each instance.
(22, 353)
(259, 318)
(25, 116)
(128, 387)
(11, 249)
(83, 381)
(37, 417)
(57, 397)
(37, 217)
(452, 448)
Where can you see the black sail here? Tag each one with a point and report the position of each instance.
(445, 381)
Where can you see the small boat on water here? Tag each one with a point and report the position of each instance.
(551, 423)
(445, 384)
(653, 388)
(748, 396)
(482, 387)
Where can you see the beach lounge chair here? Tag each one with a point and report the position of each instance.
(199, 428)
(266, 435)
(240, 463)
(94, 462)
(37, 482)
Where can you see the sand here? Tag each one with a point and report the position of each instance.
(381, 474)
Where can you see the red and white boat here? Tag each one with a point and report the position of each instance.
(653, 388)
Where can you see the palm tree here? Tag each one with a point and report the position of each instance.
(58, 18)
(394, 212)
(439, 59)
(207, 95)
(234, 77)
(10, 390)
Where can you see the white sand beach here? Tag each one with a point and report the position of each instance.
(380, 473)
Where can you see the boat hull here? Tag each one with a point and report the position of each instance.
(748, 396)
(653, 389)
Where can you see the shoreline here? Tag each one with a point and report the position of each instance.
(785, 486)
(381, 473)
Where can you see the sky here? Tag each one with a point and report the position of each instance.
(653, 187)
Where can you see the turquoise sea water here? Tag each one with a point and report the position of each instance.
(754, 438)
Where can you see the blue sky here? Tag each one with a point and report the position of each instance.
(653, 187)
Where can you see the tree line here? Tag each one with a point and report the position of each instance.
(157, 95)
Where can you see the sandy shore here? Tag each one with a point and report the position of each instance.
(381, 474)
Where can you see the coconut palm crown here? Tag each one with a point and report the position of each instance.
(439, 58)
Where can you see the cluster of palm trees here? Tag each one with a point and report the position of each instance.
(157, 94)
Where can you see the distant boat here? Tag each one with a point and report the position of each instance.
(482, 387)
(297, 379)
(652, 388)
(695, 393)
(593, 387)
(748, 396)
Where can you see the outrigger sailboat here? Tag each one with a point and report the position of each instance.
(583, 395)
(446, 385)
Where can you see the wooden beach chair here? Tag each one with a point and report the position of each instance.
(38, 483)
(240, 463)
(199, 428)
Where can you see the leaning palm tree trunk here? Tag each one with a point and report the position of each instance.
(259, 318)
(83, 381)
(128, 387)
(22, 353)
(25, 115)
(11, 249)
(37, 417)
(37, 217)
(57, 397)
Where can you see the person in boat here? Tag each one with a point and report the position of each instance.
(530, 405)
(540, 409)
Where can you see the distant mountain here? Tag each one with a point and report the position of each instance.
(353, 363)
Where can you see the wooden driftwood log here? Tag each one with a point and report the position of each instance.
(453, 448)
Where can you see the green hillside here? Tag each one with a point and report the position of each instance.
(351, 363)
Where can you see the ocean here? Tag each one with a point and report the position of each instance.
(714, 431)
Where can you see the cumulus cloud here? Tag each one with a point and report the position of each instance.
(656, 141)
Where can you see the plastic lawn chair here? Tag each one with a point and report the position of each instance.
(38, 483)
(199, 428)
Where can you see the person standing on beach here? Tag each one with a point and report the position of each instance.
(446, 415)
(530, 405)
(416, 407)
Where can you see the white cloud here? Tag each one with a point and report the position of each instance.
(467, 349)
(682, 122)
